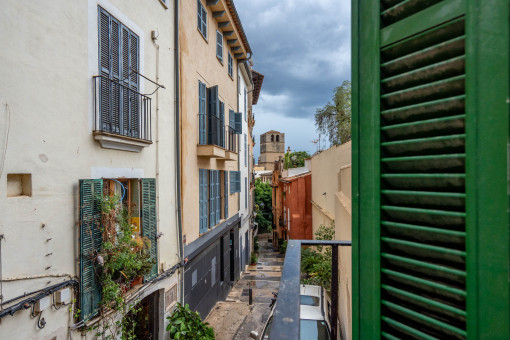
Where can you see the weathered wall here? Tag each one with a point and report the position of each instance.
(49, 55)
(331, 203)
(296, 203)
(198, 61)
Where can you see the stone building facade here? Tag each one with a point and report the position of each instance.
(272, 147)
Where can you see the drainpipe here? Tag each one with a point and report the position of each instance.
(178, 148)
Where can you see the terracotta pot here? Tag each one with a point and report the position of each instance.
(136, 281)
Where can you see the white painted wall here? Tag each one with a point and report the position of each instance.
(48, 57)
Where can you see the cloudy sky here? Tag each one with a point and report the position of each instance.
(303, 49)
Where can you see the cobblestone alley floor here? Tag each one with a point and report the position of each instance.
(234, 318)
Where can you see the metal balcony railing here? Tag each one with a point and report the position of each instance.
(231, 139)
(215, 133)
(121, 110)
(286, 314)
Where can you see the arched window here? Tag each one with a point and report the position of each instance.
(272, 138)
(277, 138)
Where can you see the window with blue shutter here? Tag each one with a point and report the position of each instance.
(217, 192)
(225, 191)
(91, 237)
(245, 101)
(219, 45)
(221, 128)
(149, 221)
(202, 105)
(119, 101)
(203, 200)
(235, 181)
(245, 192)
(212, 199)
(202, 19)
(213, 116)
(238, 120)
(245, 150)
(238, 181)
(230, 65)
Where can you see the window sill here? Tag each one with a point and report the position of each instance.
(210, 151)
(117, 142)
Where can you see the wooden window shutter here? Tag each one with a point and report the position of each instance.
(91, 191)
(226, 192)
(149, 221)
(245, 192)
(219, 45)
(213, 115)
(203, 200)
(212, 200)
(218, 195)
(221, 127)
(232, 182)
(238, 122)
(202, 104)
(245, 150)
(425, 199)
(104, 67)
(231, 119)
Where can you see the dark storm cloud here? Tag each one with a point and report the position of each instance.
(301, 46)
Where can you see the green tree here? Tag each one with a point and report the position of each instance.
(334, 119)
(295, 159)
(263, 195)
(316, 264)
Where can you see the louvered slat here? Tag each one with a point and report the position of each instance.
(423, 259)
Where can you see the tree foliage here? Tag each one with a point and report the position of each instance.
(295, 159)
(334, 119)
(316, 264)
(186, 324)
(263, 205)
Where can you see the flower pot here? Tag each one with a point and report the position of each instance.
(136, 281)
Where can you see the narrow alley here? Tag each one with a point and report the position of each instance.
(234, 318)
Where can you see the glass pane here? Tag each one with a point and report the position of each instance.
(314, 330)
(308, 300)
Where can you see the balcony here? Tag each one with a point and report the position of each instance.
(286, 321)
(221, 140)
(122, 116)
(230, 144)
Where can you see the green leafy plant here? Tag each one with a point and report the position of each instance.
(283, 246)
(186, 324)
(123, 257)
(263, 195)
(256, 246)
(253, 258)
(316, 264)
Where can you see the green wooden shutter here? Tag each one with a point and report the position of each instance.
(202, 104)
(149, 221)
(421, 137)
(238, 119)
(104, 68)
(91, 191)
(226, 192)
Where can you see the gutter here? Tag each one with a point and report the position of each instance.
(178, 149)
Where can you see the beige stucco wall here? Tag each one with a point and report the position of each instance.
(198, 61)
(48, 58)
(331, 202)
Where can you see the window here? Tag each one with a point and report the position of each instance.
(219, 45)
(246, 193)
(202, 19)
(209, 199)
(245, 151)
(120, 108)
(245, 100)
(202, 113)
(235, 181)
(277, 138)
(272, 138)
(211, 116)
(139, 196)
(230, 65)
(225, 193)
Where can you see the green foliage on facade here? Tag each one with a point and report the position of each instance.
(263, 206)
(185, 324)
(334, 119)
(316, 264)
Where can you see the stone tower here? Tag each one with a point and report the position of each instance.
(272, 146)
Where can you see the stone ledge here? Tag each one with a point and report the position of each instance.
(117, 142)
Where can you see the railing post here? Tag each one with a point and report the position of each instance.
(334, 292)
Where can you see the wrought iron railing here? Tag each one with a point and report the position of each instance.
(231, 139)
(286, 314)
(121, 110)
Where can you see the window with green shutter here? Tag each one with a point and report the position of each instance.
(430, 82)
(149, 221)
(91, 191)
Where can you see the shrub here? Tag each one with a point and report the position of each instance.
(253, 258)
(186, 324)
